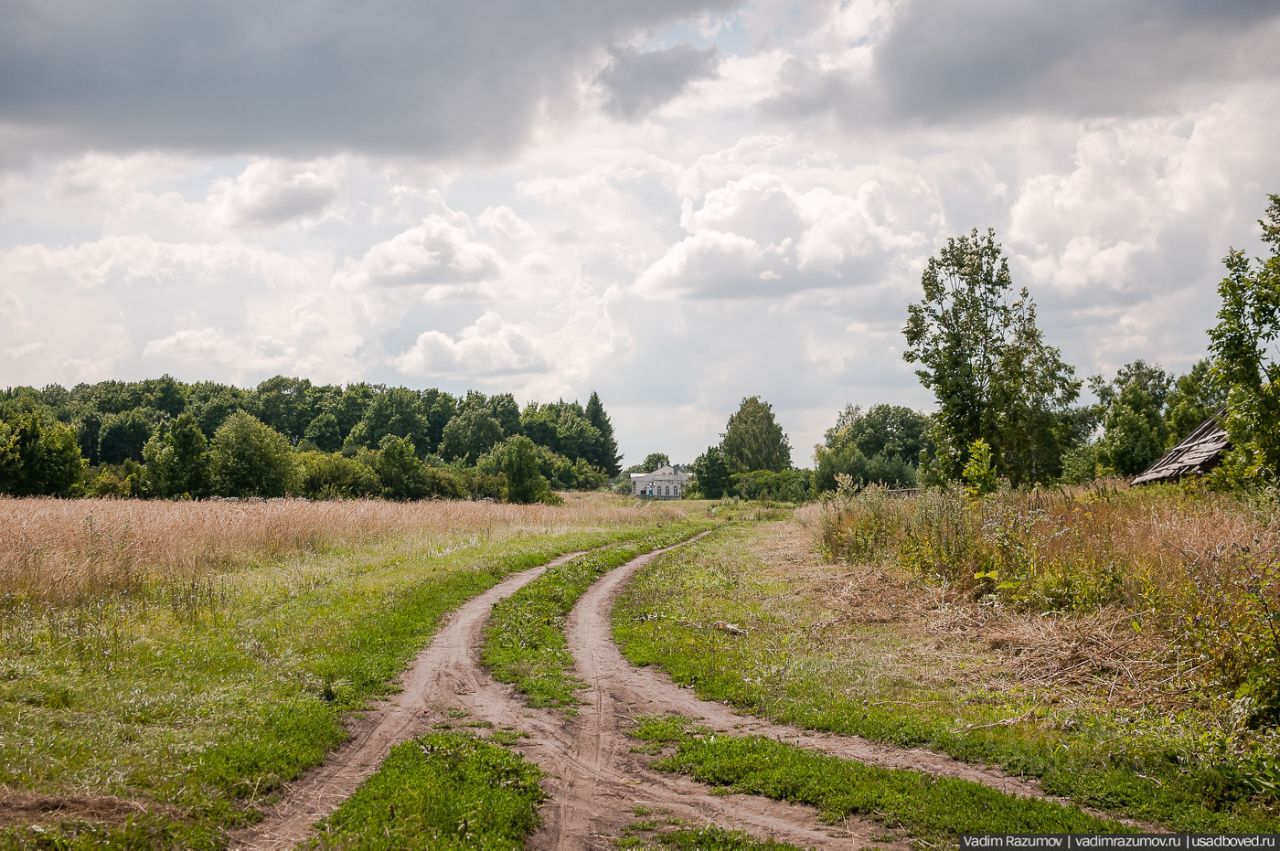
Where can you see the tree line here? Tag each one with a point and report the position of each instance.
(168, 439)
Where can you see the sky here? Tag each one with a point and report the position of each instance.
(675, 203)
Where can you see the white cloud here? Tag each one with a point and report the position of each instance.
(274, 192)
(440, 255)
(490, 345)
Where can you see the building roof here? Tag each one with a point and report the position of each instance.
(667, 471)
(1198, 453)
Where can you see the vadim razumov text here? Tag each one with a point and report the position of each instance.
(1100, 842)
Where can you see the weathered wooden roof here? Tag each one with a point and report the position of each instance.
(1198, 453)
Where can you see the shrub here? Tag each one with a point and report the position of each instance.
(324, 475)
(249, 458)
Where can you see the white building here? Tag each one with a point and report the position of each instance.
(663, 483)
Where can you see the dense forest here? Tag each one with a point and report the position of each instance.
(168, 439)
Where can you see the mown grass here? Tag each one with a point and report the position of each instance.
(200, 708)
(799, 658)
(930, 808)
(524, 639)
(445, 790)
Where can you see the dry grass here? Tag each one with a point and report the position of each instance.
(64, 552)
(1133, 593)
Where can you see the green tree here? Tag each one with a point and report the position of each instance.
(654, 461)
(122, 436)
(249, 458)
(396, 411)
(503, 408)
(516, 458)
(469, 435)
(1132, 415)
(1195, 397)
(606, 455)
(977, 347)
(711, 473)
(753, 440)
(177, 460)
(284, 404)
(211, 403)
(39, 456)
(324, 433)
(1243, 344)
(882, 445)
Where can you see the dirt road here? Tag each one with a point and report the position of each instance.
(595, 781)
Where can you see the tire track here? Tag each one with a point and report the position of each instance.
(594, 782)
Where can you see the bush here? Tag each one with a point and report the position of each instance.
(324, 475)
(781, 485)
(249, 458)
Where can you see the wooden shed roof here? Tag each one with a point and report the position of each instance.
(1198, 453)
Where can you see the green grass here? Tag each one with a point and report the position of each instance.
(445, 790)
(209, 710)
(929, 808)
(649, 834)
(524, 640)
(797, 664)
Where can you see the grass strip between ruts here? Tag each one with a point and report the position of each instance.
(929, 808)
(444, 790)
(524, 641)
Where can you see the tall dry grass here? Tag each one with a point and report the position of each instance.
(63, 552)
(1202, 568)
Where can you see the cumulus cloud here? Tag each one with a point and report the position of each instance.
(440, 255)
(636, 83)
(437, 77)
(272, 192)
(490, 345)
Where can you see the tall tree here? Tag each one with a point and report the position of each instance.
(1244, 347)
(978, 348)
(606, 454)
(395, 411)
(753, 439)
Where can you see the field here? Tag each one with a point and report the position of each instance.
(872, 670)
